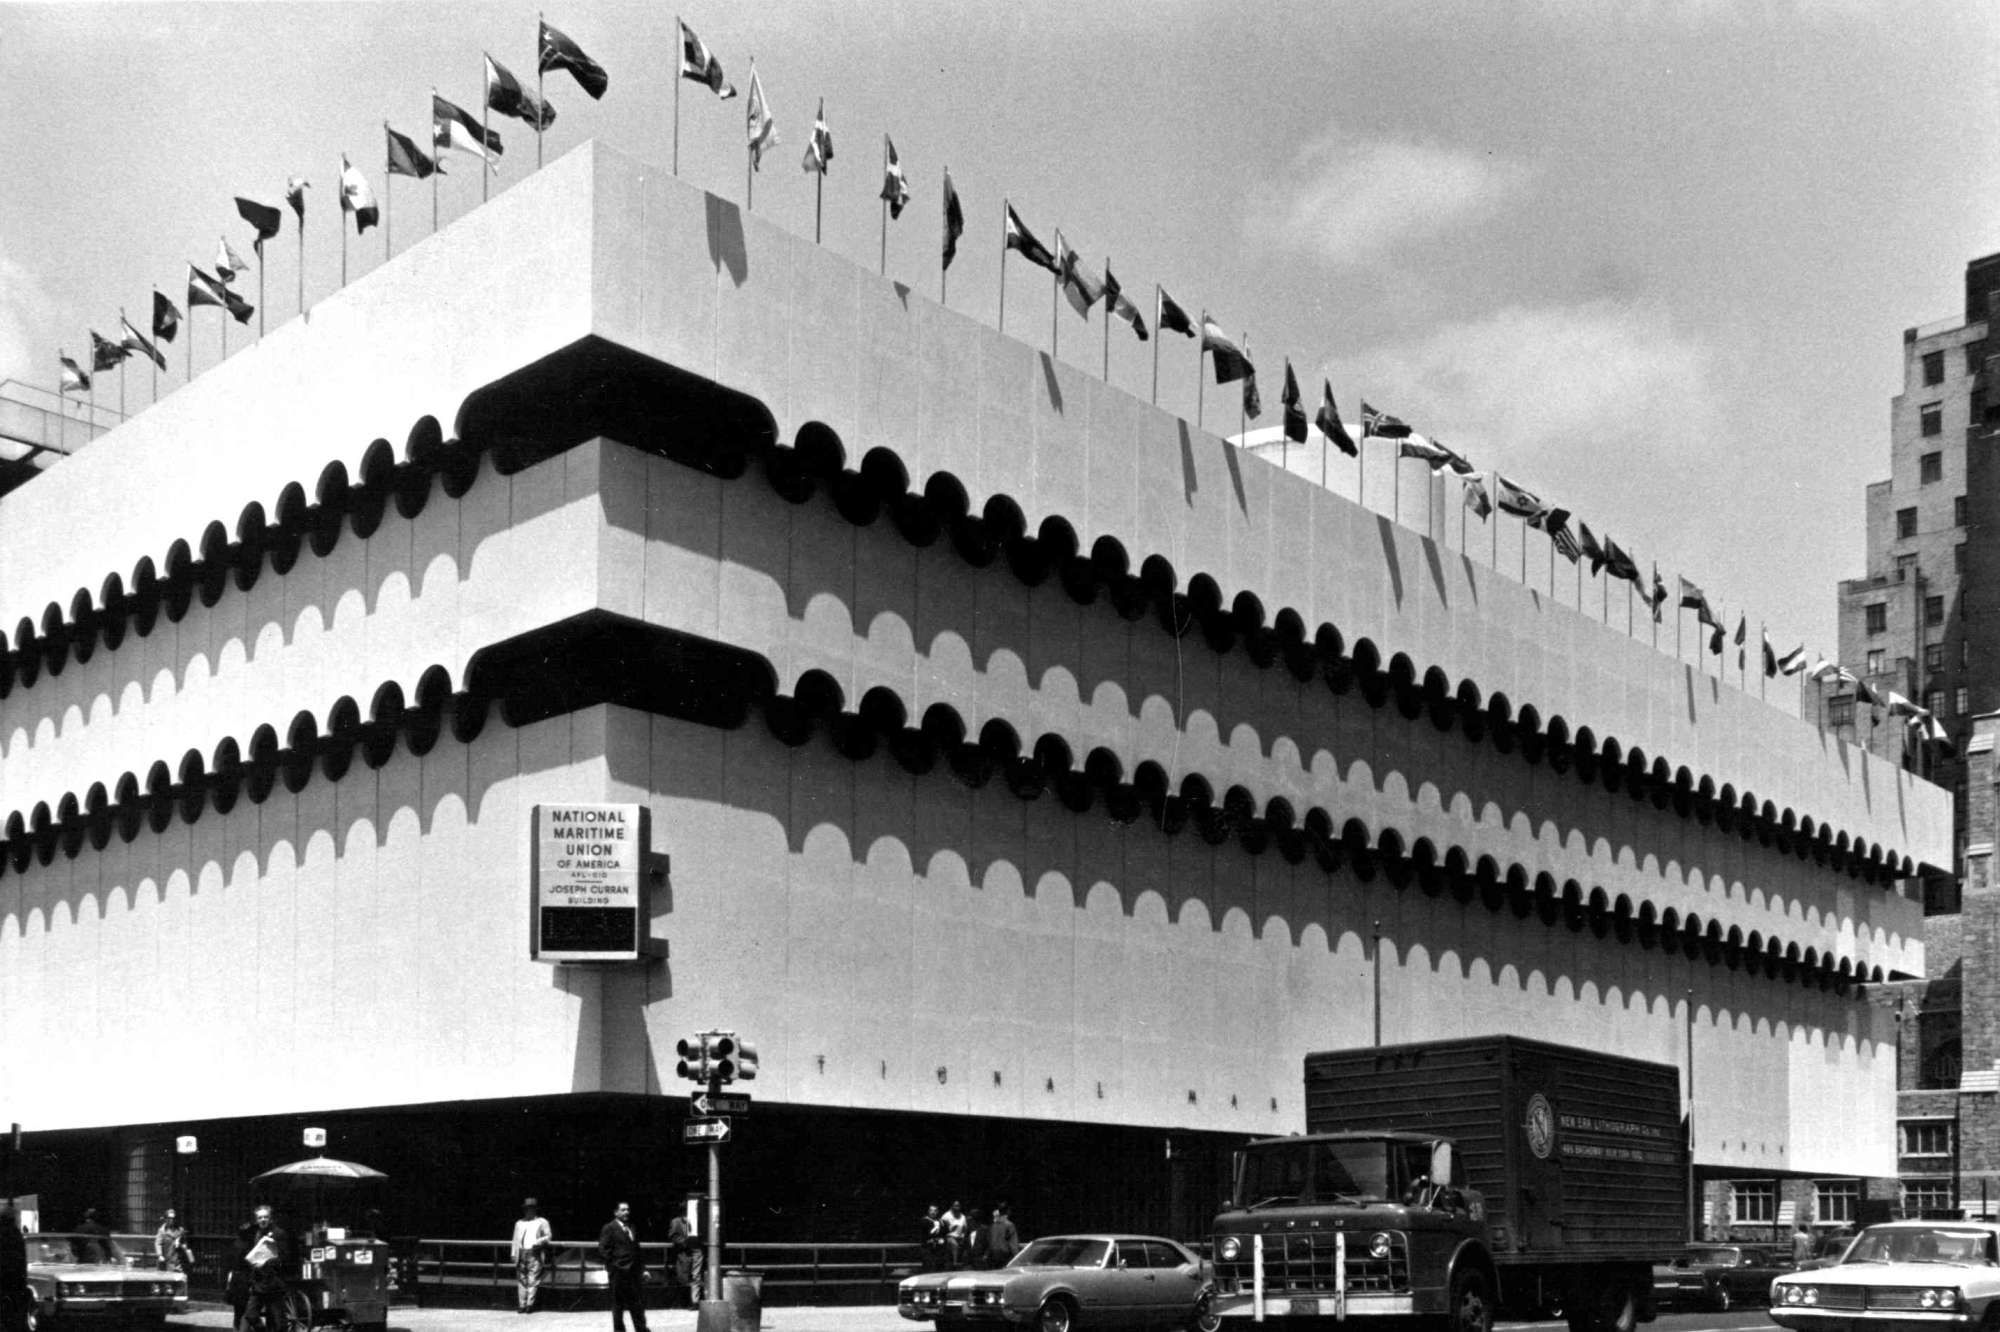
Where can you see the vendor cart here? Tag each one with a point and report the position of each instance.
(342, 1273)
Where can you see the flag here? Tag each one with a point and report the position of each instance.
(954, 220)
(759, 129)
(1118, 303)
(166, 319)
(1694, 599)
(1434, 452)
(1330, 425)
(559, 52)
(295, 195)
(1230, 362)
(819, 148)
(74, 380)
(1253, 404)
(405, 158)
(1519, 500)
(1591, 550)
(699, 64)
(134, 340)
(1933, 731)
(1294, 411)
(1793, 662)
(895, 190)
(104, 353)
(505, 94)
(1552, 521)
(355, 198)
(1381, 425)
(229, 265)
(1171, 316)
(1824, 670)
(1658, 597)
(1565, 541)
(452, 126)
(1022, 239)
(261, 216)
(1742, 625)
(206, 290)
(1079, 285)
(1476, 498)
(1715, 641)
(1618, 562)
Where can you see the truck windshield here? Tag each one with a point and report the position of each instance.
(1304, 1172)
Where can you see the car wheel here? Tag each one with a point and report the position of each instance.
(1205, 1318)
(34, 1321)
(1470, 1310)
(1722, 1300)
(1057, 1315)
(1552, 1307)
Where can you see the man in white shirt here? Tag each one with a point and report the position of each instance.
(532, 1240)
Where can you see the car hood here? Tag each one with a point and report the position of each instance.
(99, 1272)
(998, 1276)
(1892, 1274)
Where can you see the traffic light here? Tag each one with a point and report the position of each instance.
(723, 1047)
(696, 1064)
(746, 1060)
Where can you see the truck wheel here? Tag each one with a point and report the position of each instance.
(1057, 1315)
(1469, 1311)
(1206, 1319)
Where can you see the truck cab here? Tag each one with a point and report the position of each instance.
(1350, 1225)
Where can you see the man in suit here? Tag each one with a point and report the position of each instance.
(266, 1264)
(618, 1245)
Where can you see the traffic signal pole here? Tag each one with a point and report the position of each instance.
(714, 1238)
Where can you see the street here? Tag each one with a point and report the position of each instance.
(864, 1318)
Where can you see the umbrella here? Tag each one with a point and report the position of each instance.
(317, 1170)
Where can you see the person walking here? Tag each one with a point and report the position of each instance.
(170, 1245)
(532, 1241)
(618, 1246)
(1802, 1246)
(236, 1273)
(1002, 1239)
(14, 1292)
(689, 1267)
(91, 1240)
(264, 1266)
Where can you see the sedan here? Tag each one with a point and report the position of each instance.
(1066, 1281)
(77, 1277)
(1720, 1276)
(1903, 1274)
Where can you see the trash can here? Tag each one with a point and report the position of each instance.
(743, 1292)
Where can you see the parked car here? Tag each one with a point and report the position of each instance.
(116, 1280)
(1826, 1251)
(1071, 1281)
(1721, 1276)
(1935, 1273)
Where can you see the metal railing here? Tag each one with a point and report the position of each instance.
(795, 1270)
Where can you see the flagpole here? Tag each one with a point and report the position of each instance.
(1656, 612)
(1763, 676)
(679, 51)
(1159, 336)
(190, 340)
(540, 22)
(819, 176)
(749, 152)
(1055, 300)
(224, 321)
(1107, 326)
(1678, 617)
(1003, 264)
(260, 287)
(343, 226)
(1242, 403)
(121, 385)
(62, 405)
(1396, 485)
(90, 428)
(437, 157)
(944, 272)
(486, 134)
(884, 270)
(388, 195)
(302, 255)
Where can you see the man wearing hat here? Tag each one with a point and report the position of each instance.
(532, 1240)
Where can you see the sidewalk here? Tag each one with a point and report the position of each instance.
(785, 1318)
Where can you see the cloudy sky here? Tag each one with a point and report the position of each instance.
(1652, 259)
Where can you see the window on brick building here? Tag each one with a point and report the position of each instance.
(1926, 1137)
(1958, 511)
(1835, 1201)
(1961, 700)
(1753, 1202)
(1840, 710)
(1930, 419)
(1929, 1197)
(1940, 1059)
(1876, 657)
(1934, 657)
(1934, 701)
(1906, 523)
(1878, 618)
(1934, 610)
(1942, 896)
(1934, 367)
(1930, 468)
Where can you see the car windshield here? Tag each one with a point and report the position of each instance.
(1062, 1253)
(1286, 1173)
(89, 1249)
(1924, 1244)
(1708, 1258)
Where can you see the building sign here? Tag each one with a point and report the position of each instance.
(585, 874)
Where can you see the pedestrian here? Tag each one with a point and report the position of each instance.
(689, 1267)
(618, 1246)
(931, 1230)
(264, 1265)
(170, 1245)
(14, 1292)
(90, 1240)
(955, 1224)
(1002, 1239)
(976, 1239)
(236, 1272)
(532, 1242)
(1802, 1246)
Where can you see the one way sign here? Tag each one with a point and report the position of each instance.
(717, 1103)
(705, 1130)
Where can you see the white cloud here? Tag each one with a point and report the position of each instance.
(1532, 387)
(1350, 201)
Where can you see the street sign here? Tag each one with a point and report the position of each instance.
(718, 1103)
(315, 1137)
(705, 1130)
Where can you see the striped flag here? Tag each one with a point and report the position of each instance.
(1118, 303)
(1433, 452)
(1022, 239)
(405, 159)
(819, 148)
(1230, 362)
(356, 198)
(453, 127)
(206, 290)
(699, 63)
(136, 341)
